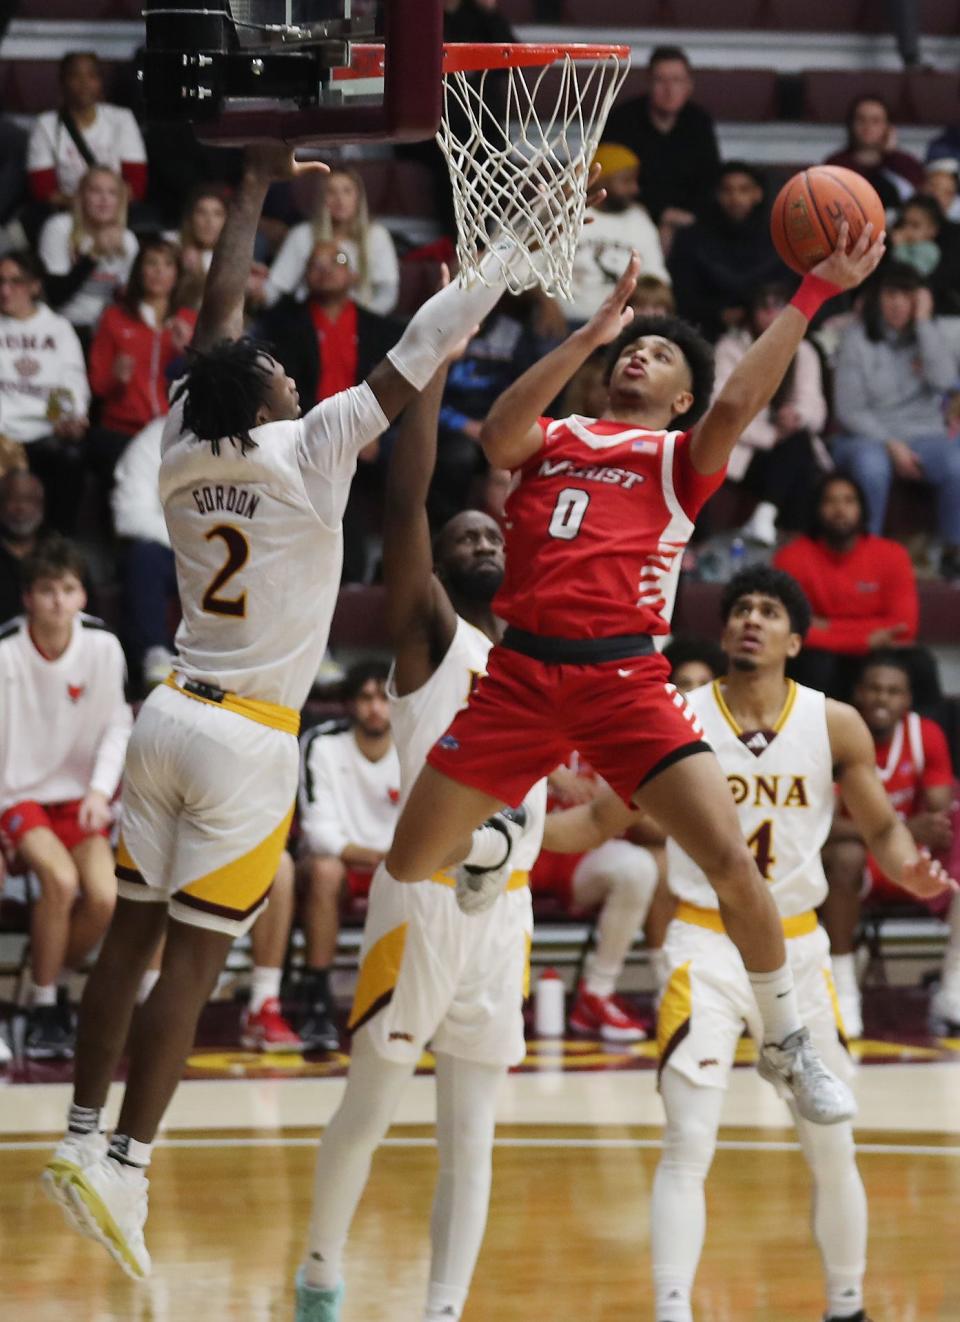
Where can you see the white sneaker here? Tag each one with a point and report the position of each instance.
(798, 1074)
(945, 1004)
(112, 1199)
(72, 1154)
(478, 889)
(851, 1013)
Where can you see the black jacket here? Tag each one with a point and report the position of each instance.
(288, 328)
(677, 169)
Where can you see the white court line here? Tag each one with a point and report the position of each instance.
(618, 1144)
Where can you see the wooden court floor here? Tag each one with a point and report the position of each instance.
(567, 1237)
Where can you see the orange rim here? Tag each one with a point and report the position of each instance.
(367, 61)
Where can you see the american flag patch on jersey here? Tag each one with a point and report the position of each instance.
(644, 447)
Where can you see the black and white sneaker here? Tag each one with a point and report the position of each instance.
(49, 1034)
(318, 1030)
(478, 889)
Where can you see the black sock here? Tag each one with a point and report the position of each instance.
(316, 985)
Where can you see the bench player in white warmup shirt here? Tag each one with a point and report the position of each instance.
(253, 497)
(428, 971)
(780, 745)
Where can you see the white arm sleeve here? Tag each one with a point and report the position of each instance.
(331, 436)
(113, 746)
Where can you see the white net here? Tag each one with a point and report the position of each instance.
(519, 143)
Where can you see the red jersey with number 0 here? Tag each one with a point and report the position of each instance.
(596, 525)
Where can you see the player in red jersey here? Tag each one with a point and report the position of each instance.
(913, 761)
(596, 524)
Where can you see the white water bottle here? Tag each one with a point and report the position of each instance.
(549, 1005)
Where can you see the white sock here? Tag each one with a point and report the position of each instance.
(845, 974)
(950, 973)
(264, 986)
(374, 1087)
(839, 1212)
(678, 1210)
(147, 983)
(490, 848)
(130, 1152)
(84, 1119)
(40, 996)
(624, 877)
(466, 1117)
(776, 1000)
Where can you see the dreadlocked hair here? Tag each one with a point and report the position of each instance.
(223, 391)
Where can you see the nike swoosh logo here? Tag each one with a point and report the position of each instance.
(624, 674)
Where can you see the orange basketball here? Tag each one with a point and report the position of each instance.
(810, 207)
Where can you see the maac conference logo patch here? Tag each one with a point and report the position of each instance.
(448, 742)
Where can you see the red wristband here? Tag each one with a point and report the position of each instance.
(812, 294)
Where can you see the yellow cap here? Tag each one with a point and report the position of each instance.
(612, 158)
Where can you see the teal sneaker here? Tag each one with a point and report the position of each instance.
(315, 1305)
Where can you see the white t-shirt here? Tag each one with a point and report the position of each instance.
(258, 542)
(602, 255)
(64, 724)
(103, 283)
(378, 293)
(113, 137)
(345, 799)
(37, 355)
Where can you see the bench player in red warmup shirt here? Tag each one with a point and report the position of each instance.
(913, 762)
(596, 524)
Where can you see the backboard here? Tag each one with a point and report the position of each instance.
(248, 70)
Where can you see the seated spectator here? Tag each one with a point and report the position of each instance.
(64, 726)
(44, 395)
(653, 297)
(619, 877)
(328, 343)
(914, 764)
(13, 181)
(728, 252)
(779, 455)
(203, 219)
(871, 150)
(941, 183)
(21, 531)
(137, 341)
(619, 225)
(924, 239)
(674, 138)
(86, 131)
(894, 366)
(150, 596)
(87, 252)
(946, 146)
(349, 805)
(861, 588)
(263, 1026)
(694, 662)
(341, 218)
(520, 330)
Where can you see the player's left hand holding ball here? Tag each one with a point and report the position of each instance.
(926, 878)
(845, 269)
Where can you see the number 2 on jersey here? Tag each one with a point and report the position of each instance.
(568, 513)
(761, 843)
(238, 552)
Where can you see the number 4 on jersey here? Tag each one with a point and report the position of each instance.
(761, 842)
(568, 513)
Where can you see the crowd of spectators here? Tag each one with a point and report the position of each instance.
(97, 312)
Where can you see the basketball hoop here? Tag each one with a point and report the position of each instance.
(520, 127)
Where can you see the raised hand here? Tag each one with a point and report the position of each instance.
(615, 313)
(926, 878)
(276, 160)
(849, 269)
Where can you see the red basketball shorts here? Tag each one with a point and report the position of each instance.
(60, 818)
(525, 717)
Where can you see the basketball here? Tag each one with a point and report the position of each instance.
(810, 208)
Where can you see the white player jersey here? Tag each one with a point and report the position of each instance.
(64, 724)
(345, 799)
(258, 543)
(418, 720)
(782, 782)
